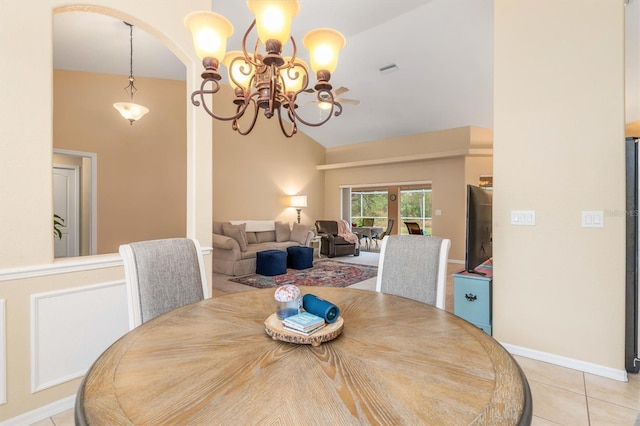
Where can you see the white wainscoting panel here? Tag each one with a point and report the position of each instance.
(70, 328)
(3, 352)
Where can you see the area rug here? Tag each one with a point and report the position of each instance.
(324, 273)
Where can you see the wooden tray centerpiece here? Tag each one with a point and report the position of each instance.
(273, 327)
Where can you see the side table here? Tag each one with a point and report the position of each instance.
(318, 239)
(472, 297)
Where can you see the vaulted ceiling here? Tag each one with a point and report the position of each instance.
(443, 50)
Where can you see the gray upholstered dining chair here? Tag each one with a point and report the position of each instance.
(415, 267)
(162, 275)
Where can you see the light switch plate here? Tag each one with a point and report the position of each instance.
(523, 217)
(592, 219)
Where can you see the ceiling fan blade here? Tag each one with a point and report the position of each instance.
(340, 90)
(349, 101)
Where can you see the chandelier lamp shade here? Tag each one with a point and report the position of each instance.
(262, 78)
(298, 202)
(129, 110)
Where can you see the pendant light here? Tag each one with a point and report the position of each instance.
(130, 110)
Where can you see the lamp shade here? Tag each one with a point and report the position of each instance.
(298, 201)
(273, 18)
(131, 111)
(210, 32)
(324, 45)
(240, 71)
(294, 78)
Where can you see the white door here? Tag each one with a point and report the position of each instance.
(66, 195)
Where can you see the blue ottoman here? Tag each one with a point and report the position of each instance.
(299, 257)
(271, 262)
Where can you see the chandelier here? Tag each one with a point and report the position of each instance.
(262, 78)
(129, 110)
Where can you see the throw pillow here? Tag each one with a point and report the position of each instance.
(251, 238)
(237, 232)
(283, 232)
(299, 233)
(266, 236)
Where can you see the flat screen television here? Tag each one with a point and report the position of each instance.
(479, 228)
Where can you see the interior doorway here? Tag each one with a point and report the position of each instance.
(66, 210)
(80, 216)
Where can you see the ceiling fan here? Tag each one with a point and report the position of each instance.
(336, 97)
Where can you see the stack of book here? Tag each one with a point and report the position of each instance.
(303, 323)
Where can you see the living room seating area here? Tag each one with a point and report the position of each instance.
(236, 243)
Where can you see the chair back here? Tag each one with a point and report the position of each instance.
(367, 222)
(162, 275)
(387, 231)
(413, 228)
(327, 227)
(414, 267)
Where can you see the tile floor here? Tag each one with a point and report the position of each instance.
(561, 396)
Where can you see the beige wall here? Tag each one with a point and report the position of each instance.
(558, 150)
(444, 141)
(142, 168)
(441, 157)
(26, 143)
(252, 175)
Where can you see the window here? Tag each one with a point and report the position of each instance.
(415, 206)
(370, 204)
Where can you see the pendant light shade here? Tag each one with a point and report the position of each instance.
(210, 32)
(131, 111)
(324, 45)
(273, 18)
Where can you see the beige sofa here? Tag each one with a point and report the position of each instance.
(236, 243)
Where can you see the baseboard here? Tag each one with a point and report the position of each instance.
(575, 364)
(42, 413)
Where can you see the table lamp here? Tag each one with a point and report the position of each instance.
(298, 202)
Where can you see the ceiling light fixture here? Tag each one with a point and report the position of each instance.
(265, 80)
(129, 110)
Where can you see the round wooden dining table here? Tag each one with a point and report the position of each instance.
(397, 361)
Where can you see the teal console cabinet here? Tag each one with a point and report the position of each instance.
(472, 297)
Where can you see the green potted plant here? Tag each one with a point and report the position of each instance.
(57, 222)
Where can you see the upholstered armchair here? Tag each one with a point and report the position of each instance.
(332, 244)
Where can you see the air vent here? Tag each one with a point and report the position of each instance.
(388, 69)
